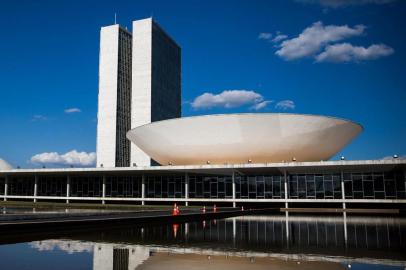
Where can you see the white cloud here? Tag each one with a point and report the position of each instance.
(265, 36)
(344, 3)
(261, 105)
(38, 117)
(70, 158)
(227, 99)
(285, 105)
(72, 110)
(314, 37)
(346, 52)
(279, 37)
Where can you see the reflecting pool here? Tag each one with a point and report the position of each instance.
(249, 242)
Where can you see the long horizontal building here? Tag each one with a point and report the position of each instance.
(376, 183)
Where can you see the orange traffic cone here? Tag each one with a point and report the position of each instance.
(174, 211)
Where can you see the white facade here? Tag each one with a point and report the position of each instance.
(107, 106)
(156, 76)
(141, 84)
(244, 138)
(114, 114)
(135, 88)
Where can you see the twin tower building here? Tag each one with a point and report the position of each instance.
(139, 83)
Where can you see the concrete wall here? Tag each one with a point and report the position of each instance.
(141, 84)
(107, 106)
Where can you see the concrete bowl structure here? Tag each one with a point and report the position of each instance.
(244, 138)
(4, 165)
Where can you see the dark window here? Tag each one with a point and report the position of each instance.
(378, 182)
(368, 189)
(390, 188)
(348, 189)
(357, 182)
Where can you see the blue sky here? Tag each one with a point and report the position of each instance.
(344, 59)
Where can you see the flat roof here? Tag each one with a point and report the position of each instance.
(228, 169)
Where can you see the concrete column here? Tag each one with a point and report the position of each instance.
(143, 189)
(343, 192)
(67, 188)
(35, 188)
(233, 183)
(287, 228)
(104, 189)
(285, 183)
(5, 188)
(186, 189)
(285, 177)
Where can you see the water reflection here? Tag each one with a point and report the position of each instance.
(284, 242)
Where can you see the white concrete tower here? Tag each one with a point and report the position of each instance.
(156, 80)
(114, 105)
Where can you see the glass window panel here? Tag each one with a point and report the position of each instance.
(301, 183)
(260, 189)
(277, 188)
(268, 184)
(357, 183)
(310, 188)
(244, 187)
(348, 189)
(320, 195)
(401, 195)
(221, 185)
(328, 185)
(380, 195)
(252, 184)
(400, 181)
(390, 188)
(293, 190)
(206, 185)
(368, 188)
(358, 195)
(378, 182)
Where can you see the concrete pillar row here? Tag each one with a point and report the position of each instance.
(143, 189)
(35, 188)
(186, 189)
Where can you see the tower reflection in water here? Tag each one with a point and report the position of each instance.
(337, 240)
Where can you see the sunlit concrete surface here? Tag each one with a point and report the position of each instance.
(244, 138)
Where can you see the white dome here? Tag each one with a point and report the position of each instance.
(242, 138)
(4, 165)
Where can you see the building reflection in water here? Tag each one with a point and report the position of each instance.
(340, 240)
